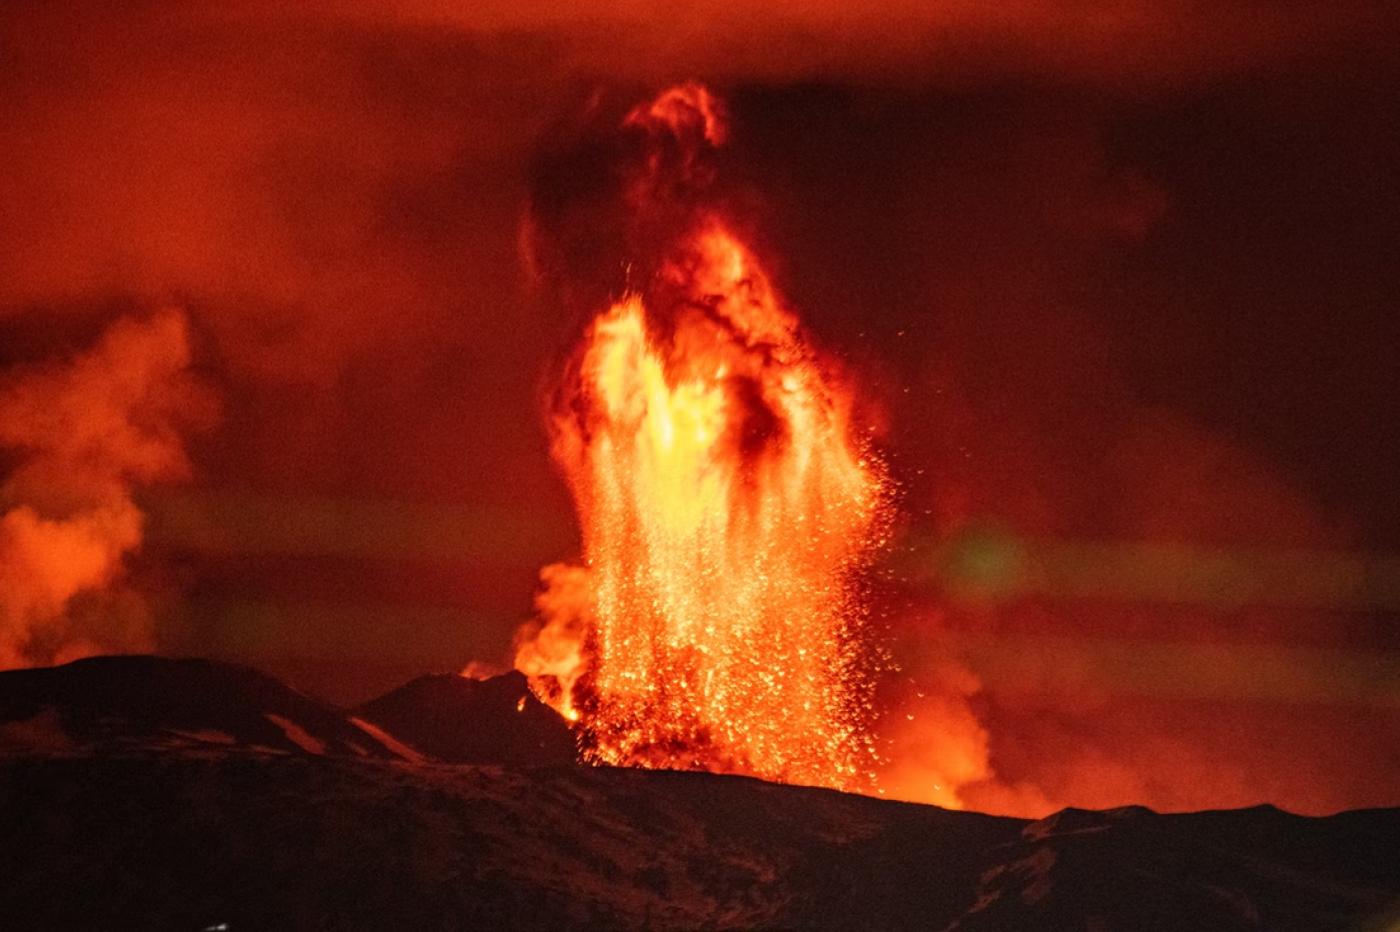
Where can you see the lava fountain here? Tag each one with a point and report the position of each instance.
(728, 509)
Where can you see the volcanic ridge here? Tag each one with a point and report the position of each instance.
(139, 791)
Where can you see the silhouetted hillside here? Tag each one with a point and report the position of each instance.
(145, 793)
(155, 702)
(453, 718)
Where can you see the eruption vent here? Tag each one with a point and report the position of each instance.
(726, 509)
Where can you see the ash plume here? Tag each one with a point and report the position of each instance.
(84, 434)
(728, 503)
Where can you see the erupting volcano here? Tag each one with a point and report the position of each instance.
(727, 503)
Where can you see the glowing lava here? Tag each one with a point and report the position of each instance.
(726, 512)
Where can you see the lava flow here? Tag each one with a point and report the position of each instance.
(727, 511)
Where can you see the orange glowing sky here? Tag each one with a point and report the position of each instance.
(1116, 290)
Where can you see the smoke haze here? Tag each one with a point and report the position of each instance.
(84, 435)
(1105, 281)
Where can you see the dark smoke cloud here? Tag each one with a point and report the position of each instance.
(981, 281)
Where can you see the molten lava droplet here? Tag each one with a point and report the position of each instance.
(726, 514)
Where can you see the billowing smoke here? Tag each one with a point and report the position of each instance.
(83, 435)
(549, 648)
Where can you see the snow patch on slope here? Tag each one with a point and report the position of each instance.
(296, 734)
(388, 740)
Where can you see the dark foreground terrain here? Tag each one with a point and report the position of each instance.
(177, 808)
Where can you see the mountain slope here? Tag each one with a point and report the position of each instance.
(146, 793)
(103, 703)
(190, 840)
(453, 718)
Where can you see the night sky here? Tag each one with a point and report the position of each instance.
(1119, 289)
